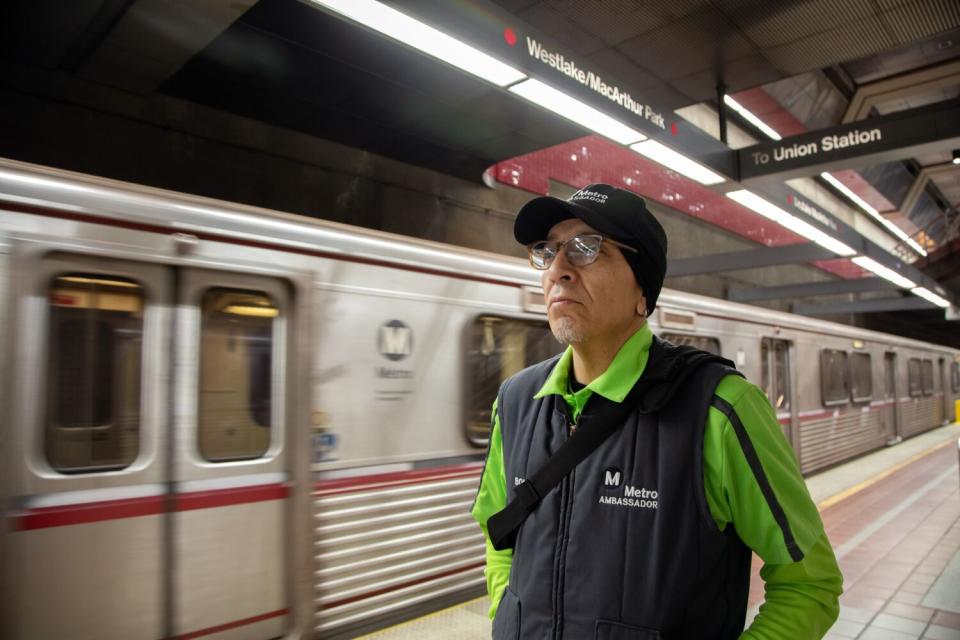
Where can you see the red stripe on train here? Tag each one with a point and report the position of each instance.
(230, 625)
(64, 515)
(227, 497)
(69, 514)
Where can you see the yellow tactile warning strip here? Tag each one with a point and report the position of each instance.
(857, 488)
(832, 486)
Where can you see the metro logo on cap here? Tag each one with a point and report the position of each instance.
(593, 196)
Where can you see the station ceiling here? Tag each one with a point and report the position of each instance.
(802, 65)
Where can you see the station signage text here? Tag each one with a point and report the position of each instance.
(592, 80)
(826, 144)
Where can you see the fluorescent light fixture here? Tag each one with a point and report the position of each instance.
(884, 272)
(247, 310)
(873, 213)
(678, 162)
(579, 112)
(773, 212)
(414, 33)
(99, 281)
(752, 119)
(930, 296)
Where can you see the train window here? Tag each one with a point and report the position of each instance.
(914, 377)
(500, 347)
(861, 379)
(955, 377)
(927, 377)
(236, 381)
(775, 372)
(834, 376)
(93, 390)
(889, 376)
(700, 342)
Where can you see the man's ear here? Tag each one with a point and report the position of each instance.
(642, 306)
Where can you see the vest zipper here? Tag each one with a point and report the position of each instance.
(566, 509)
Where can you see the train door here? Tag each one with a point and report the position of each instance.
(148, 452)
(943, 390)
(954, 390)
(87, 461)
(889, 407)
(776, 381)
(228, 530)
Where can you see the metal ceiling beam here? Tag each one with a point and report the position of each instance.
(867, 96)
(908, 303)
(749, 259)
(920, 184)
(828, 288)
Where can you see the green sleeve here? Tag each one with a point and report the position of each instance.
(803, 588)
(801, 598)
(491, 498)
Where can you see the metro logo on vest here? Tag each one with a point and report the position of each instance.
(612, 477)
(636, 497)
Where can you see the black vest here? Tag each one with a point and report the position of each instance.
(625, 547)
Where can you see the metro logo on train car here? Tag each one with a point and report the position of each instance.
(395, 340)
(395, 343)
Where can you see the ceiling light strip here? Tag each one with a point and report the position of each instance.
(865, 206)
(425, 38)
(930, 296)
(884, 272)
(751, 118)
(394, 24)
(769, 210)
(579, 112)
(678, 162)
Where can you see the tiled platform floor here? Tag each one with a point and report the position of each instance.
(896, 533)
(896, 542)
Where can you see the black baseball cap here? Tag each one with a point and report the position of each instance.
(617, 213)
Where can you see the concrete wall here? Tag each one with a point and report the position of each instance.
(55, 120)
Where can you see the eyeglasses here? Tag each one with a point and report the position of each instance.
(582, 250)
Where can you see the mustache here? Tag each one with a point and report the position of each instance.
(561, 294)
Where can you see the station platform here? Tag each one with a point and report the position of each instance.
(893, 518)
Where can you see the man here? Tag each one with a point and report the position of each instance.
(650, 535)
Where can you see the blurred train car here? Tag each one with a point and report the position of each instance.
(222, 421)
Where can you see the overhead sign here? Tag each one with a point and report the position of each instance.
(810, 210)
(496, 32)
(595, 82)
(883, 139)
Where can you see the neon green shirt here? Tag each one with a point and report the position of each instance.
(801, 598)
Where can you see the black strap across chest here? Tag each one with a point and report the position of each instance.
(668, 366)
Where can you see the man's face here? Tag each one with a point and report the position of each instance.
(594, 302)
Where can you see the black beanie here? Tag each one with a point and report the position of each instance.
(614, 212)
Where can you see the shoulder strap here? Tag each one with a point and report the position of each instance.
(667, 367)
(503, 525)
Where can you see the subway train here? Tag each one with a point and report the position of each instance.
(223, 421)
